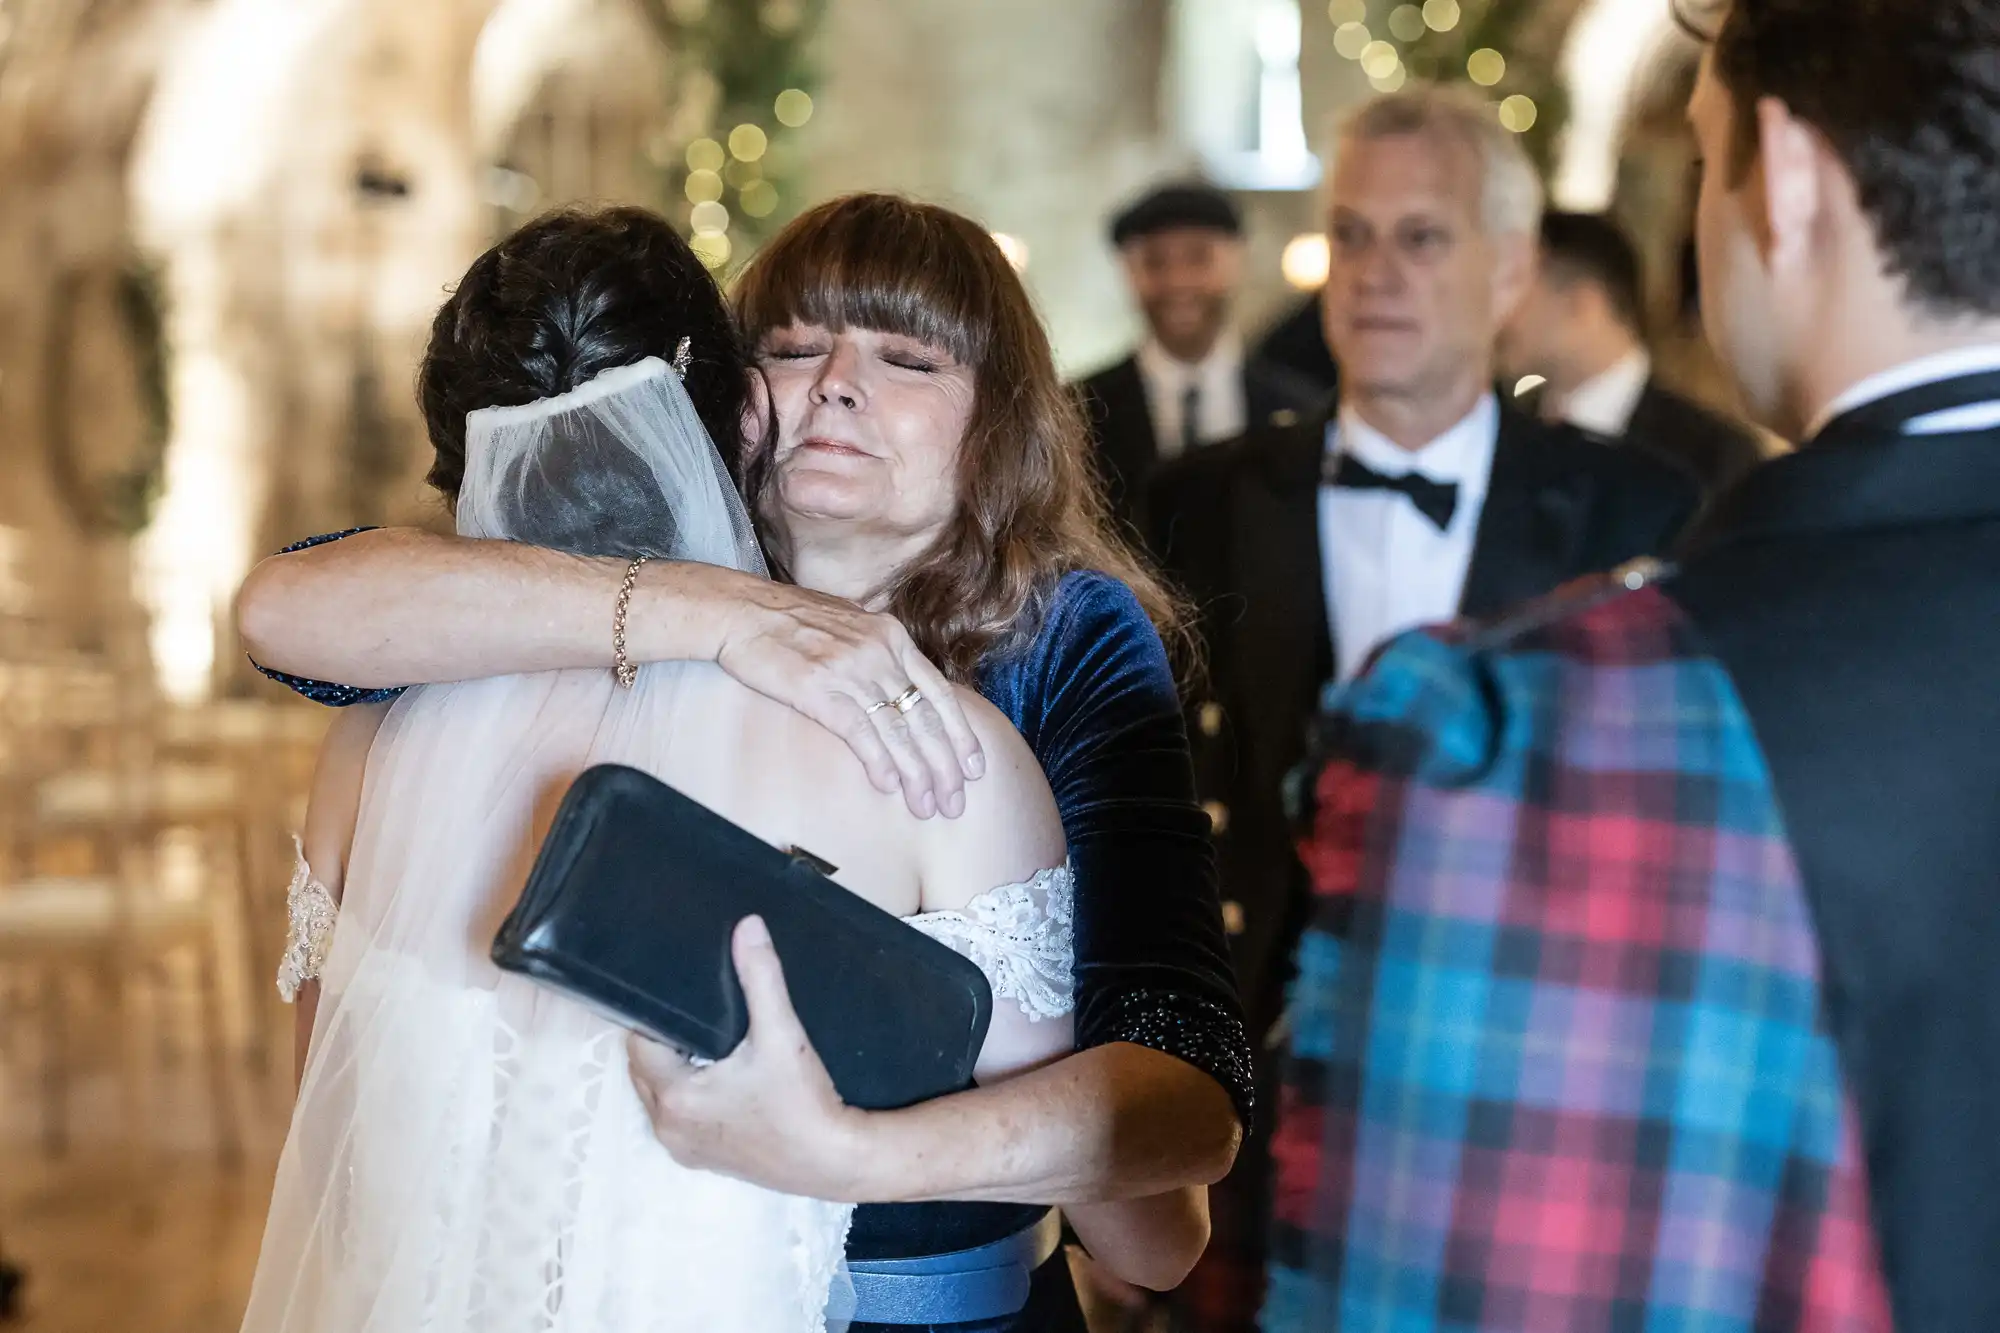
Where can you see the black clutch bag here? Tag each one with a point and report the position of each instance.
(630, 907)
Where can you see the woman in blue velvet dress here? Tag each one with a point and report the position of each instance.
(926, 466)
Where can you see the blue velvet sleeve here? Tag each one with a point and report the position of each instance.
(320, 691)
(1095, 698)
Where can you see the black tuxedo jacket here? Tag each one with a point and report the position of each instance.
(1237, 526)
(1121, 422)
(1853, 591)
(1297, 343)
(1711, 446)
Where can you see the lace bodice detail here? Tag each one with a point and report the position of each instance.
(311, 912)
(1022, 936)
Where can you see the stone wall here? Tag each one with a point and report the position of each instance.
(74, 81)
(1038, 117)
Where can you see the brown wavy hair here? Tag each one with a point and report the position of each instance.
(1030, 508)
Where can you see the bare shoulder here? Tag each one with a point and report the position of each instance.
(1010, 829)
(789, 780)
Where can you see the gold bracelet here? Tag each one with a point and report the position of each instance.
(621, 665)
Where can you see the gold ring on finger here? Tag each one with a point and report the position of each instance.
(907, 700)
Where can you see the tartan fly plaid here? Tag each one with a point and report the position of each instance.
(1557, 1059)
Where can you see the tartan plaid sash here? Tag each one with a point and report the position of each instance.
(1557, 1059)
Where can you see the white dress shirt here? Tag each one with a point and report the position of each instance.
(1386, 567)
(1604, 403)
(1924, 370)
(1221, 412)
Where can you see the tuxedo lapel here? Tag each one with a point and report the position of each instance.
(1121, 423)
(1129, 419)
(1280, 557)
(1531, 527)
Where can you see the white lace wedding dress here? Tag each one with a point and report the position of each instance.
(468, 1154)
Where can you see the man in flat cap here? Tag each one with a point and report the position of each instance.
(1188, 384)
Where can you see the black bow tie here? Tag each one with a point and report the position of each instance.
(1435, 500)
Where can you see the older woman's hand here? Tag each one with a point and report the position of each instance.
(1109, 1123)
(830, 660)
(768, 1113)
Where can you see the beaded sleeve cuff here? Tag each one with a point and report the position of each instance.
(1188, 1027)
(320, 691)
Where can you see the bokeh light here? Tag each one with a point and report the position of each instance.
(709, 219)
(781, 18)
(703, 186)
(705, 155)
(1305, 261)
(1352, 39)
(1347, 11)
(1406, 23)
(1486, 67)
(1014, 248)
(1379, 60)
(747, 143)
(1441, 15)
(1518, 113)
(713, 249)
(760, 199)
(793, 108)
(1390, 82)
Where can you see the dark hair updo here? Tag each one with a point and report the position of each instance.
(569, 296)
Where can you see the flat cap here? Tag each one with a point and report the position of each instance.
(1170, 207)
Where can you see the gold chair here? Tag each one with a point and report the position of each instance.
(96, 780)
(58, 929)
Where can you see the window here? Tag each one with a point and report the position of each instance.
(1236, 92)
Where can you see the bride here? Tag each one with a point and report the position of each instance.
(468, 1154)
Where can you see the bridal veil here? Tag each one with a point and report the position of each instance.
(468, 1154)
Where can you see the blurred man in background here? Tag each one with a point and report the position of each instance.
(1581, 330)
(1188, 384)
(1420, 495)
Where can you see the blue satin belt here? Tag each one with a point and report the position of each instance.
(963, 1287)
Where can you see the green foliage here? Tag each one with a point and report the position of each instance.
(113, 503)
(1496, 24)
(142, 308)
(734, 58)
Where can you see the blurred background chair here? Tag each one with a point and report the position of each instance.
(142, 890)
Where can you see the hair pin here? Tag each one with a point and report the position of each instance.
(683, 358)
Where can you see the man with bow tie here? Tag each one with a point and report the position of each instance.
(1420, 496)
(1650, 975)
